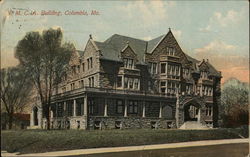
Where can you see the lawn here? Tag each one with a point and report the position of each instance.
(32, 141)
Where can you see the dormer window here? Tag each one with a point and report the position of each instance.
(170, 51)
(128, 63)
(204, 75)
(90, 63)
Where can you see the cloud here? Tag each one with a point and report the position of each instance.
(150, 12)
(218, 47)
(177, 33)
(231, 17)
(225, 57)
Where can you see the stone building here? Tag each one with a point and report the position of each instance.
(125, 82)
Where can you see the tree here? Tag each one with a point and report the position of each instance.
(15, 91)
(46, 58)
(234, 106)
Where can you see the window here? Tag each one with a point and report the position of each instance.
(131, 63)
(78, 109)
(163, 68)
(69, 108)
(125, 62)
(91, 105)
(119, 106)
(153, 125)
(118, 124)
(72, 86)
(78, 124)
(125, 82)
(154, 71)
(119, 81)
(149, 85)
(63, 89)
(177, 71)
(171, 51)
(209, 110)
(83, 67)
(78, 68)
(59, 109)
(93, 82)
(81, 83)
(90, 63)
(131, 83)
(90, 82)
(163, 87)
(97, 125)
(128, 63)
(136, 83)
(133, 107)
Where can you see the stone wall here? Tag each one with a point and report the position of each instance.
(79, 122)
(130, 123)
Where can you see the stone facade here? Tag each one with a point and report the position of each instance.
(125, 82)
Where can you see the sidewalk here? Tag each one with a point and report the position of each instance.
(131, 148)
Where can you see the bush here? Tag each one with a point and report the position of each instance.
(32, 141)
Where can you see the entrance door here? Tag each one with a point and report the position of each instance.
(191, 113)
(35, 110)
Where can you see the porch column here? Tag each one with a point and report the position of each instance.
(126, 108)
(199, 116)
(64, 108)
(74, 107)
(85, 106)
(160, 113)
(51, 113)
(143, 108)
(105, 107)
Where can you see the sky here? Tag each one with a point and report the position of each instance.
(214, 30)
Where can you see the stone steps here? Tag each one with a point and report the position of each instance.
(193, 125)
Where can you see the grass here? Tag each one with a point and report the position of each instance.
(33, 141)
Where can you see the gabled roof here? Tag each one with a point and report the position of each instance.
(154, 42)
(112, 47)
(213, 71)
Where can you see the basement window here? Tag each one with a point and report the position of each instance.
(78, 124)
(97, 125)
(118, 124)
(153, 125)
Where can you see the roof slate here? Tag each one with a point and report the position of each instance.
(112, 47)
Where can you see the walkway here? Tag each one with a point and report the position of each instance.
(131, 148)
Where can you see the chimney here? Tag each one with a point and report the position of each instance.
(90, 36)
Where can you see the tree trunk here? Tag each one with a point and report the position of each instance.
(10, 120)
(48, 117)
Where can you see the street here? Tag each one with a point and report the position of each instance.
(225, 150)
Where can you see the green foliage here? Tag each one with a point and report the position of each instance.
(234, 106)
(46, 58)
(29, 141)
